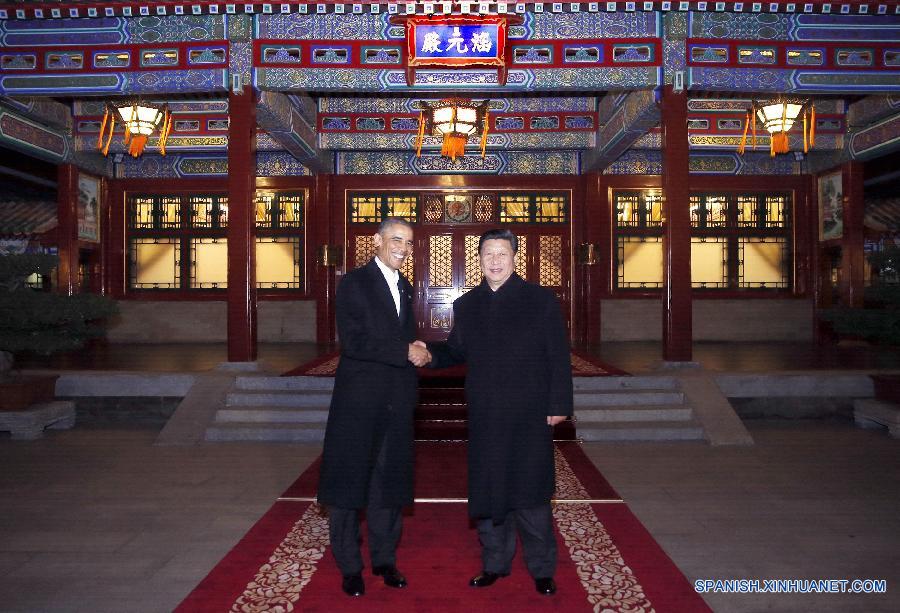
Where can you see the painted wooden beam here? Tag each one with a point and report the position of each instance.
(285, 123)
(623, 120)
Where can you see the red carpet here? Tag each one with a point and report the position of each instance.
(583, 365)
(607, 560)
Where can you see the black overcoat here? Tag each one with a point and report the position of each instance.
(519, 371)
(375, 393)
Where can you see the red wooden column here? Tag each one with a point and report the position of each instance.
(677, 230)
(852, 241)
(322, 232)
(596, 232)
(242, 226)
(67, 228)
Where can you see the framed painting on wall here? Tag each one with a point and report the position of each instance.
(831, 206)
(88, 208)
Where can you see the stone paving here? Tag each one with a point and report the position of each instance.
(104, 520)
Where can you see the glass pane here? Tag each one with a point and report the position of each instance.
(762, 262)
(747, 211)
(514, 208)
(290, 210)
(550, 209)
(223, 211)
(440, 261)
(653, 205)
(640, 262)
(402, 206)
(627, 210)
(365, 209)
(278, 262)
(142, 213)
(209, 263)
(170, 212)
(550, 270)
(775, 210)
(264, 209)
(697, 214)
(716, 211)
(201, 211)
(709, 262)
(154, 263)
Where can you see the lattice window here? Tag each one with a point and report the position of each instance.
(515, 208)
(638, 209)
(776, 211)
(289, 210)
(154, 263)
(748, 211)
(522, 257)
(639, 262)
(433, 209)
(473, 274)
(363, 251)
(278, 262)
(763, 262)
(550, 209)
(155, 212)
(440, 261)
(709, 211)
(484, 208)
(208, 211)
(264, 202)
(209, 263)
(365, 209)
(709, 262)
(404, 207)
(550, 261)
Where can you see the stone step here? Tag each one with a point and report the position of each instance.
(273, 415)
(597, 398)
(641, 431)
(285, 433)
(640, 382)
(633, 413)
(314, 399)
(285, 384)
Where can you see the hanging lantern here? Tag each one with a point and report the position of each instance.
(140, 119)
(778, 118)
(455, 120)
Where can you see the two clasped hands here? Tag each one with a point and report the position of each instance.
(419, 354)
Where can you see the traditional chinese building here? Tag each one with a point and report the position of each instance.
(625, 143)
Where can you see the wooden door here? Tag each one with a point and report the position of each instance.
(447, 266)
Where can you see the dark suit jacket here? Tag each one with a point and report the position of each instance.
(375, 393)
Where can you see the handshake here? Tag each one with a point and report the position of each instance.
(419, 354)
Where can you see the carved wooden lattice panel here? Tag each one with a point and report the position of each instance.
(550, 260)
(473, 265)
(484, 208)
(434, 209)
(365, 249)
(440, 261)
(522, 257)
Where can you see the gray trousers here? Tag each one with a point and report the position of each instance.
(535, 528)
(385, 525)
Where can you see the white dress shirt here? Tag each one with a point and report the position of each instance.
(392, 277)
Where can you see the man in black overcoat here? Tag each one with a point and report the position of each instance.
(511, 336)
(367, 462)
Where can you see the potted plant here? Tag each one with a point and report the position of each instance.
(40, 322)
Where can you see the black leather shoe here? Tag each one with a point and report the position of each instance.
(485, 579)
(353, 585)
(391, 576)
(545, 586)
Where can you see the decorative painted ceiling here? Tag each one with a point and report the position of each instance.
(582, 82)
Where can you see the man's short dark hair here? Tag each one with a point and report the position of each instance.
(387, 222)
(499, 234)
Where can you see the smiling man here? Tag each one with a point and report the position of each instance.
(367, 462)
(511, 336)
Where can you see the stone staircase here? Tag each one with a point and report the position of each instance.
(282, 409)
(639, 408)
(295, 409)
